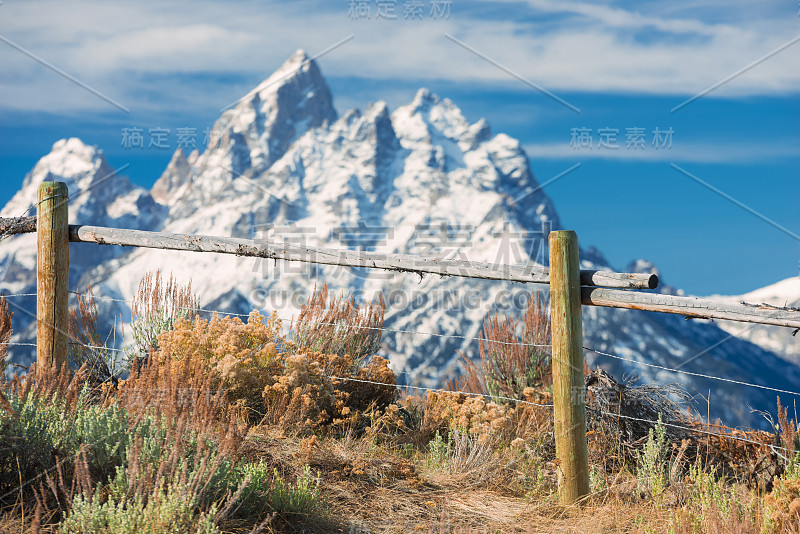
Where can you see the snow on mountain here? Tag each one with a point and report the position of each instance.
(421, 179)
(97, 195)
(776, 339)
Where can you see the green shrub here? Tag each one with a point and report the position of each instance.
(155, 309)
(440, 451)
(50, 429)
(713, 507)
(170, 510)
(302, 498)
(172, 481)
(262, 490)
(651, 464)
(597, 480)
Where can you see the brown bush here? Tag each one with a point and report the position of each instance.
(5, 327)
(315, 390)
(236, 356)
(300, 389)
(182, 391)
(512, 355)
(155, 308)
(87, 346)
(339, 326)
(782, 506)
(448, 411)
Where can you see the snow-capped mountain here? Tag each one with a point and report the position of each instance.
(282, 165)
(782, 341)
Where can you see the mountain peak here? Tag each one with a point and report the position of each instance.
(424, 100)
(298, 70)
(76, 146)
(98, 194)
(427, 115)
(266, 121)
(69, 160)
(298, 57)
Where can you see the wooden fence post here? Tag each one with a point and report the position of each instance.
(52, 276)
(569, 402)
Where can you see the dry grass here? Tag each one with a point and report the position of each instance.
(339, 325)
(86, 343)
(156, 299)
(511, 356)
(156, 306)
(181, 391)
(227, 392)
(5, 327)
(5, 337)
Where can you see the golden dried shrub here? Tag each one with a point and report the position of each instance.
(240, 357)
(455, 410)
(782, 506)
(315, 390)
(297, 389)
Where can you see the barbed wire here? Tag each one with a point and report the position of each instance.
(438, 390)
(695, 430)
(511, 399)
(96, 347)
(6, 233)
(655, 423)
(434, 334)
(363, 327)
(699, 375)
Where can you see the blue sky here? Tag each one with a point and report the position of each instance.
(623, 65)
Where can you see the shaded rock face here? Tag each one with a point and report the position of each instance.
(282, 166)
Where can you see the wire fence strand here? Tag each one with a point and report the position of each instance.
(439, 390)
(699, 375)
(694, 430)
(291, 320)
(17, 220)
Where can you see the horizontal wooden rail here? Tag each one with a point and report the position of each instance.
(691, 307)
(348, 258)
(17, 225)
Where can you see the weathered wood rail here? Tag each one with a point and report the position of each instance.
(346, 258)
(590, 296)
(349, 258)
(691, 307)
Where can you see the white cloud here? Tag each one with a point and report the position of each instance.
(680, 152)
(589, 47)
(616, 17)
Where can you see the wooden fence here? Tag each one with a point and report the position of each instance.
(570, 288)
